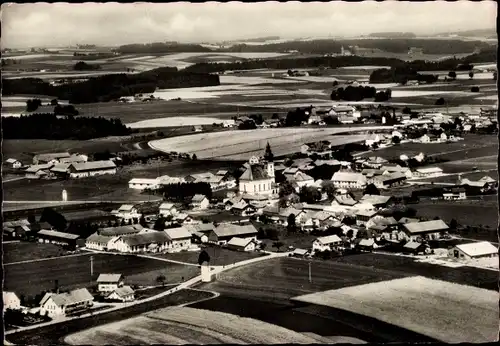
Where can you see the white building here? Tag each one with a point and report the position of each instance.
(58, 305)
(200, 202)
(109, 282)
(143, 183)
(127, 212)
(123, 294)
(180, 238)
(428, 172)
(167, 209)
(474, 250)
(14, 163)
(38, 171)
(91, 169)
(97, 242)
(258, 178)
(326, 243)
(11, 301)
(241, 244)
(348, 180)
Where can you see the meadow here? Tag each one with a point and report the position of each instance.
(447, 312)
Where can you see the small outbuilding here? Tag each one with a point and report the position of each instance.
(476, 250)
(241, 244)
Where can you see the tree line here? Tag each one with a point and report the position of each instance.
(83, 66)
(110, 87)
(181, 192)
(49, 126)
(161, 47)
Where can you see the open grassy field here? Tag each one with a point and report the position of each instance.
(30, 278)
(183, 325)
(245, 143)
(447, 312)
(218, 256)
(24, 251)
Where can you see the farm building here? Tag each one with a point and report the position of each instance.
(415, 248)
(180, 238)
(74, 159)
(301, 179)
(474, 250)
(385, 181)
(363, 216)
(146, 242)
(200, 202)
(166, 180)
(120, 230)
(366, 244)
(241, 244)
(348, 180)
(143, 183)
(97, 242)
(92, 215)
(204, 228)
(258, 178)
(109, 282)
(388, 169)
(127, 212)
(199, 237)
(49, 158)
(11, 301)
(300, 253)
(91, 169)
(56, 237)
(242, 208)
(456, 193)
(58, 305)
(122, 294)
(60, 169)
(224, 232)
(326, 243)
(345, 200)
(13, 163)
(484, 184)
(425, 230)
(168, 209)
(38, 171)
(427, 172)
(377, 201)
(216, 182)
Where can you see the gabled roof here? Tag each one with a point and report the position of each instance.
(487, 179)
(120, 230)
(57, 234)
(412, 245)
(72, 159)
(100, 239)
(429, 170)
(198, 198)
(201, 227)
(144, 181)
(367, 242)
(109, 278)
(93, 165)
(9, 296)
(300, 176)
(391, 177)
(254, 172)
(368, 213)
(348, 176)
(300, 252)
(329, 239)
(123, 291)
(240, 205)
(404, 220)
(71, 298)
(426, 226)
(322, 216)
(11, 160)
(239, 242)
(225, 230)
(51, 156)
(177, 233)
(375, 199)
(126, 207)
(146, 238)
(345, 200)
(289, 211)
(36, 168)
(167, 206)
(478, 249)
(206, 177)
(61, 167)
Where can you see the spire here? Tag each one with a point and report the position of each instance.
(268, 155)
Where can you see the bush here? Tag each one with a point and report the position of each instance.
(440, 101)
(474, 89)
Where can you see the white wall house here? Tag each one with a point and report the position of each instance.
(97, 242)
(180, 238)
(91, 169)
(352, 180)
(14, 163)
(482, 249)
(326, 243)
(123, 294)
(109, 282)
(200, 202)
(143, 183)
(127, 212)
(58, 305)
(11, 301)
(241, 244)
(168, 209)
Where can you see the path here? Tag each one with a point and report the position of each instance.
(12, 179)
(415, 179)
(457, 151)
(45, 259)
(186, 284)
(139, 255)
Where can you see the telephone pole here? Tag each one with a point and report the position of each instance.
(310, 276)
(91, 267)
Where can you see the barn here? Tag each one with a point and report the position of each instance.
(474, 250)
(55, 237)
(224, 232)
(241, 244)
(90, 169)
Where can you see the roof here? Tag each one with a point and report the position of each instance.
(478, 249)
(240, 205)
(57, 234)
(429, 170)
(368, 213)
(404, 220)
(123, 291)
(11, 160)
(348, 176)
(367, 242)
(73, 297)
(201, 227)
(254, 172)
(327, 162)
(206, 177)
(345, 200)
(391, 176)
(36, 168)
(93, 165)
(487, 179)
(413, 245)
(60, 167)
(100, 239)
(146, 238)
(300, 252)
(144, 181)
(198, 198)
(109, 278)
(177, 233)
(72, 159)
(221, 172)
(329, 239)
(51, 156)
(375, 199)
(15, 223)
(126, 207)
(426, 226)
(301, 176)
(239, 242)
(167, 206)
(227, 230)
(120, 230)
(322, 215)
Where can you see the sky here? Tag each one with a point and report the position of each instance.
(112, 24)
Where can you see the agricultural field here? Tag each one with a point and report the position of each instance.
(30, 278)
(184, 325)
(25, 251)
(239, 145)
(218, 256)
(444, 311)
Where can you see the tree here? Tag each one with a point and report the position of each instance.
(396, 140)
(142, 221)
(474, 89)
(54, 219)
(471, 74)
(452, 74)
(54, 102)
(33, 104)
(194, 157)
(203, 257)
(31, 219)
(291, 222)
(440, 101)
(350, 233)
(278, 245)
(159, 224)
(309, 194)
(371, 189)
(453, 224)
(268, 155)
(495, 75)
(328, 188)
(160, 279)
(286, 189)
(263, 246)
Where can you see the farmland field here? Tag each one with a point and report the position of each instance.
(31, 278)
(244, 143)
(180, 325)
(23, 251)
(447, 312)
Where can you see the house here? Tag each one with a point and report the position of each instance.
(243, 208)
(455, 193)
(91, 169)
(74, 159)
(38, 171)
(49, 158)
(180, 238)
(168, 209)
(314, 119)
(388, 169)
(122, 294)
(427, 172)
(13, 163)
(381, 223)
(326, 243)
(241, 244)
(258, 178)
(97, 242)
(425, 230)
(11, 301)
(425, 139)
(476, 250)
(302, 179)
(389, 180)
(224, 232)
(145, 242)
(127, 212)
(200, 202)
(198, 128)
(348, 180)
(55, 237)
(183, 219)
(363, 216)
(143, 184)
(120, 230)
(216, 182)
(366, 244)
(415, 248)
(378, 201)
(443, 137)
(373, 139)
(109, 282)
(484, 184)
(299, 253)
(58, 305)
(60, 170)
(167, 180)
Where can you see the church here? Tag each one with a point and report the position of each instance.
(258, 178)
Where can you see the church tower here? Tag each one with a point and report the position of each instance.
(270, 169)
